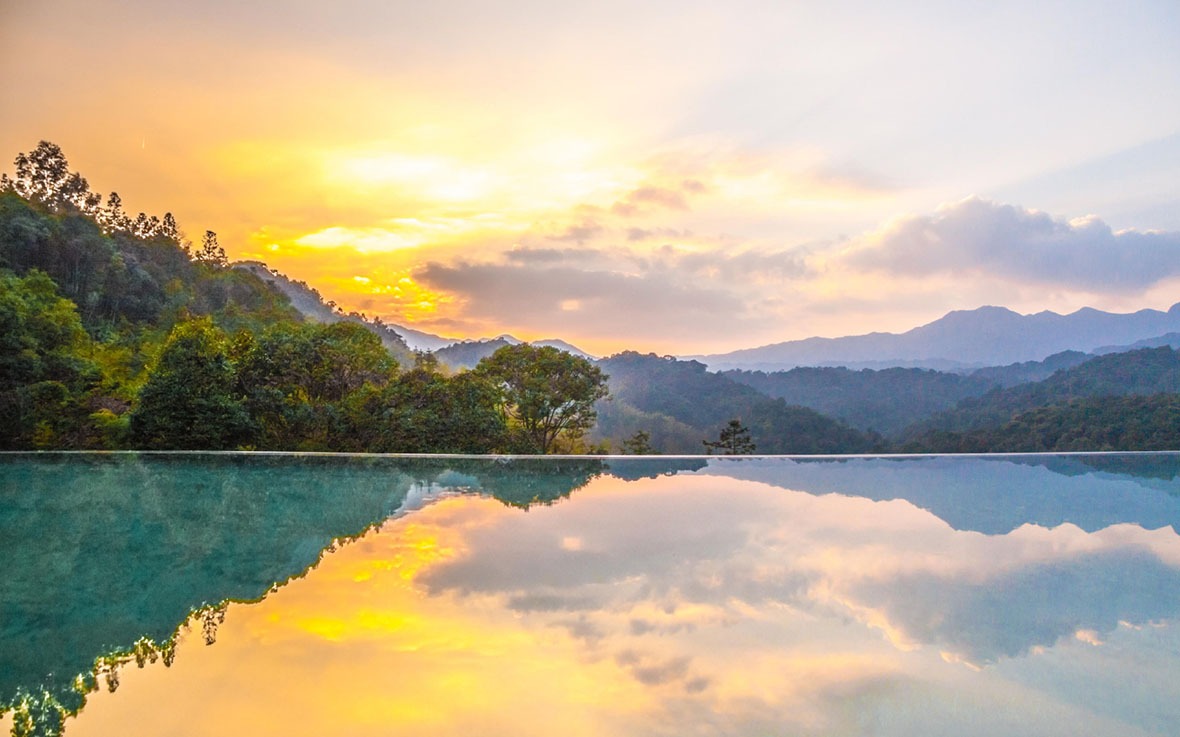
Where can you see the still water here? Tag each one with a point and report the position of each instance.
(295, 595)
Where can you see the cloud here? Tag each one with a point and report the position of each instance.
(749, 265)
(1034, 606)
(649, 197)
(651, 671)
(579, 233)
(653, 302)
(978, 236)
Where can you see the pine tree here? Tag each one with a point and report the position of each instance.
(734, 440)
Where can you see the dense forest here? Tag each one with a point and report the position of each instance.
(680, 403)
(117, 332)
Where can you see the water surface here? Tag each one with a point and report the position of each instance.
(377, 596)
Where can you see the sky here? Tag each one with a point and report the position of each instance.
(671, 177)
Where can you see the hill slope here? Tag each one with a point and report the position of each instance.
(681, 404)
(311, 305)
(1145, 372)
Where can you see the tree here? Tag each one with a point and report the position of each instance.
(639, 444)
(545, 393)
(734, 440)
(112, 218)
(423, 411)
(44, 175)
(211, 252)
(189, 401)
(44, 374)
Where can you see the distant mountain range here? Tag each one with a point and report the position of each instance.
(966, 339)
(959, 341)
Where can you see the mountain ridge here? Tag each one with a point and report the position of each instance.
(961, 339)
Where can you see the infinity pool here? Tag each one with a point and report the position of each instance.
(303, 595)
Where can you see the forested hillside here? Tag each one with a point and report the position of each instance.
(116, 333)
(1106, 423)
(681, 404)
(884, 401)
(1143, 372)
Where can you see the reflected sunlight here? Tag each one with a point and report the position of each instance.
(680, 605)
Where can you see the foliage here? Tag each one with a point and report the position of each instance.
(638, 444)
(733, 441)
(45, 378)
(188, 401)
(1140, 372)
(43, 175)
(885, 401)
(680, 401)
(423, 411)
(545, 394)
(1110, 423)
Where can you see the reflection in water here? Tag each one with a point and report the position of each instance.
(734, 597)
(106, 551)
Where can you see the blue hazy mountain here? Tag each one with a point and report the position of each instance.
(964, 339)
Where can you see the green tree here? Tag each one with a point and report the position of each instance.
(638, 444)
(211, 252)
(44, 372)
(43, 175)
(423, 411)
(734, 440)
(188, 401)
(545, 394)
(299, 383)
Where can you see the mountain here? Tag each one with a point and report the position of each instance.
(1172, 340)
(1029, 371)
(884, 401)
(680, 404)
(421, 341)
(1144, 372)
(467, 353)
(312, 306)
(987, 336)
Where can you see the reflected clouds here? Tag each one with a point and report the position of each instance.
(695, 603)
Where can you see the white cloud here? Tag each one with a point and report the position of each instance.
(978, 237)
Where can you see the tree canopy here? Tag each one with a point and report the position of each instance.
(546, 395)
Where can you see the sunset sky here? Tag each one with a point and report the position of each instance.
(677, 177)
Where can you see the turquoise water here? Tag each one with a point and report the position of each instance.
(1021, 594)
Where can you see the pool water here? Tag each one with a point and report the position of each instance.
(305, 595)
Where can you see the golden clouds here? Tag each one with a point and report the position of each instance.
(575, 213)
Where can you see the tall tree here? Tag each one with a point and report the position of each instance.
(44, 175)
(546, 394)
(112, 218)
(211, 252)
(734, 440)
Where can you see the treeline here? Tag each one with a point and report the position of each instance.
(681, 404)
(1068, 402)
(1107, 423)
(116, 333)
